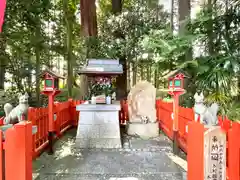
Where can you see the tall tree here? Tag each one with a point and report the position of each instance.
(121, 81)
(88, 17)
(89, 29)
(69, 9)
(184, 10)
(3, 60)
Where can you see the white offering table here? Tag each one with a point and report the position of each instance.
(98, 126)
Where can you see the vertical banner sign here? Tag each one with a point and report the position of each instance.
(2, 11)
(214, 154)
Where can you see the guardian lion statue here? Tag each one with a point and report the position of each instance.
(206, 115)
(19, 113)
(142, 111)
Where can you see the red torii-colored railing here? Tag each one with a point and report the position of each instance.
(2, 11)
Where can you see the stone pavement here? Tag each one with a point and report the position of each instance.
(137, 160)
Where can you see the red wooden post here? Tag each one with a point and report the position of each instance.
(51, 89)
(18, 152)
(175, 122)
(1, 157)
(195, 156)
(176, 89)
(32, 118)
(233, 153)
(2, 11)
(50, 112)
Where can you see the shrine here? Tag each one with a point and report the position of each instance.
(98, 125)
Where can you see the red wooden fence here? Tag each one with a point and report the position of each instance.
(186, 116)
(17, 148)
(67, 116)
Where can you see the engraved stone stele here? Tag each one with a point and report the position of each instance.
(214, 154)
(142, 111)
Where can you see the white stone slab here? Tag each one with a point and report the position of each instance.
(98, 143)
(102, 117)
(99, 107)
(86, 118)
(88, 131)
(109, 131)
(98, 126)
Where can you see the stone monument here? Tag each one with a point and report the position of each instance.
(142, 111)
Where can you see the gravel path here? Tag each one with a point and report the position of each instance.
(137, 160)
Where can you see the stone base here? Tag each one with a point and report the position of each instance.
(106, 143)
(145, 131)
(98, 126)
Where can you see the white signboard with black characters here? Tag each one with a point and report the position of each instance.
(215, 154)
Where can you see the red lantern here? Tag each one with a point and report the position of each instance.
(176, 83)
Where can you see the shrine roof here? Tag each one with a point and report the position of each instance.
(102, 66)
(175, 72)
(42, 74)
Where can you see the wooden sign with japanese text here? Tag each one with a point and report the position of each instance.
(214, 154)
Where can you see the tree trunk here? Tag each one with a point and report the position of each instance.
(172, 16)
(2, 75)
(184, 12)
(156, 77)
(210, 28)
(29, 79)
(121, 81)
(142, 71)
(38, 64)
(3, 60)
(69, 61)
(69, 18)
(89, 26)
(134, 71)
(116, 6)
(149, 72)
(88, 17)
(128, 75)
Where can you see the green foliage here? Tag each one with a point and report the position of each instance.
(140, 33)
(233, 111)
(130, 27)
(168, 50)
(34, 35)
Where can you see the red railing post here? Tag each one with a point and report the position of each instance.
(57, 121)
(18, 152)
(32, 119)
(233, 153)
(195, 156)
(1, 157)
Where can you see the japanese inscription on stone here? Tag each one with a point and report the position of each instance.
(215, 154)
